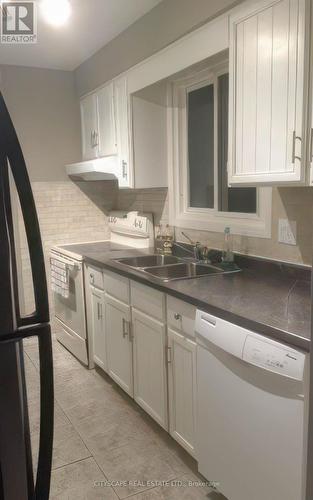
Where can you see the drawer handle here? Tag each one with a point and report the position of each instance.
(177, 316)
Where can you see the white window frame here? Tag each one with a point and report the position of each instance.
(205, 219)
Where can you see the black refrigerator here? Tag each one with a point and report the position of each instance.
(17, 478)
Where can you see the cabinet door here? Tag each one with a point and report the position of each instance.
(150, 386)
(88, 112)
(106, 121)
(311, 145)
(98, 327)
(122, 131)
(310, 154)
(119, 343)
(267, 57)
(182, 389)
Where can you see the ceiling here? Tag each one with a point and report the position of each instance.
(93, 23)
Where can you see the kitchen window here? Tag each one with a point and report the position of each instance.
(199, 194)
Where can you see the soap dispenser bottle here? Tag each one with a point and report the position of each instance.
(228, 254)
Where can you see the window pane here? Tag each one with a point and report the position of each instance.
(242, 200)
(201, 147)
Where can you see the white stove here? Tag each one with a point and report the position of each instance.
(133, 230)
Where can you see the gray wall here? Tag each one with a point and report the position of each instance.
(45, 112)
(167, 22)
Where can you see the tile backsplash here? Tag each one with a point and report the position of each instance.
(68, 212)
(74, 212)
(293, 203)
(154, 201)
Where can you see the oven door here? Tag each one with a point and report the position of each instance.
(70, 311)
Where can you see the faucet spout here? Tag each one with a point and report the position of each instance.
(196, 246)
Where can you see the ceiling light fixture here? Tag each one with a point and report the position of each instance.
(56, 12)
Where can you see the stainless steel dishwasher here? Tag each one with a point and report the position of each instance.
(251, 412)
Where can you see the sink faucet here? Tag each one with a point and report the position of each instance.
(196, 246)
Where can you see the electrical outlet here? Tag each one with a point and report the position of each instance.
(287, 231)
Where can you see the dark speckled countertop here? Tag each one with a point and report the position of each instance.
(266, 297)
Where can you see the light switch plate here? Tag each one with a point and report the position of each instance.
(287, 231)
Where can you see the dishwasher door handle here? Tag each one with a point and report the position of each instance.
(227, 336)
(209, 320)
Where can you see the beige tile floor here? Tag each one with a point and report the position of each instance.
(105, 446)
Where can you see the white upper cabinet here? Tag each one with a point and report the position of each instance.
(311, 145)
(310, 141)
(266, 95)
(106, 122)
(89, 124)
(122, 131)
(98, 125)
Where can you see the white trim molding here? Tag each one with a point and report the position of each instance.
(204, 219)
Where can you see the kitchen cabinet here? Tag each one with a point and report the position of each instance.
(98, 125)
(266, 95)
(95, 315)
(311, 147)
(98, 327)
(310, 136)
(122, 131)
(150, 381)
(119, 343)
(89, 125)
(140, 155)
(145, 341)
(149, 110)
(182, 389)
(106, 122)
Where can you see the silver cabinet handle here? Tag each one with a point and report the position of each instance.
(294, 138)
(99, 306)
(311, 145)
(177, 316)
(124, 169)
(125, 328)
(96, 138)
(91, 138)
(169, 354)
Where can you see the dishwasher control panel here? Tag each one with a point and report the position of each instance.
(273, 357)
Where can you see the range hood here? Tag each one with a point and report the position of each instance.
(101, 169)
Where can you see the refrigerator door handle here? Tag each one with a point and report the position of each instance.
(42, 485)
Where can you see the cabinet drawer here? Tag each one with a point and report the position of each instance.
(117, 286)
(95, 277)
(181, 316)
(148, 300)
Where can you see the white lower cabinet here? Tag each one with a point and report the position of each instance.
(149, 353)
(119, 343)
(98, 327)
(150, 383)
(182, 389)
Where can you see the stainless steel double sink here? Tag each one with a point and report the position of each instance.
(169, 267)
